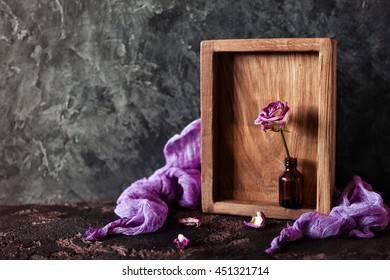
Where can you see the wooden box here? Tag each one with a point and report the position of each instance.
(241, 164)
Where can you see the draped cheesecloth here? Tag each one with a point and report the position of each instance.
(359, 211)
(143, 206)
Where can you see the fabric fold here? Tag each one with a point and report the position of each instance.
(359, 211)
(143, 206)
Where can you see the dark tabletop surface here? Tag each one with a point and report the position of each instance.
(55, 232)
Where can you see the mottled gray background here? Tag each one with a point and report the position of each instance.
(91, 90)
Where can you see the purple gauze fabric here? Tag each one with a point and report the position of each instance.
(359, 211)
(143, 206)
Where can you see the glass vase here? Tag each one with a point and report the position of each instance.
(291, 185)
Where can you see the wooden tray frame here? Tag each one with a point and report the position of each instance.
(217, 55)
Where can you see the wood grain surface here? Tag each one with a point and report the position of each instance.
(241, 163)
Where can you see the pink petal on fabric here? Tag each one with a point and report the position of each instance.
(143, 206)
(359, 212)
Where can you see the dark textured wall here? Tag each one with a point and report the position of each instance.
(91, 90)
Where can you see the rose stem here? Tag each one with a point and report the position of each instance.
(285, 144)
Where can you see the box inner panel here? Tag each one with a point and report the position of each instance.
(248, 160)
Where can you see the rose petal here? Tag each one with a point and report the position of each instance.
(181, 241)
(257, 221)
(190, 221)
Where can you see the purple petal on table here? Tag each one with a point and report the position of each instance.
(257, 221)
(190, 221)
(181, 241)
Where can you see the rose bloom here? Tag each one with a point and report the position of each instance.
(274, 117)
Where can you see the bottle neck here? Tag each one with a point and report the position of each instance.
(290, 163)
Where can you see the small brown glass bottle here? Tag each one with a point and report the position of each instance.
(291, 185)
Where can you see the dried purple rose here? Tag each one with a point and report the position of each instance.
(181, 241)
(274, 117)
(190, 221)
(257, 221)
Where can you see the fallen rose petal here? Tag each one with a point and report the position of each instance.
(190, 221)
(257, 221)
(181, 241)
